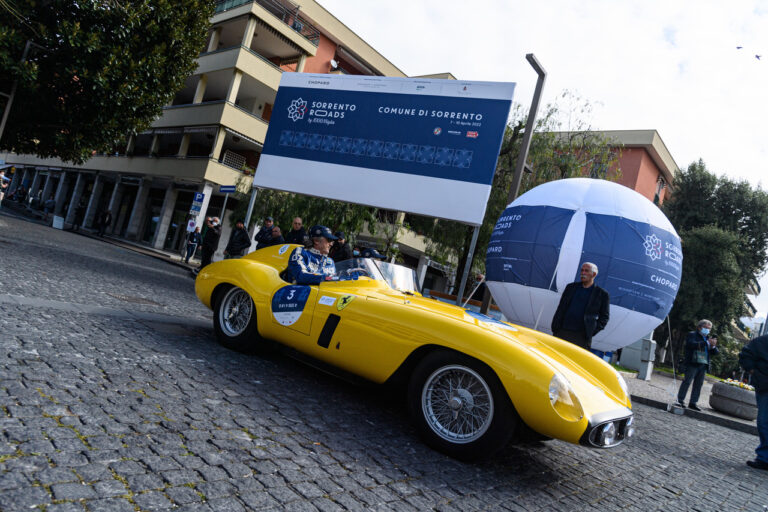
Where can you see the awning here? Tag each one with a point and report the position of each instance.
(201, 129)
(244, 137)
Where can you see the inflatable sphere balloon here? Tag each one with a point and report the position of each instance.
(542, 238)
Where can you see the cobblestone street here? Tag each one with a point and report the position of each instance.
(102, 411)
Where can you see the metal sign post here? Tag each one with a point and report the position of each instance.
(468, 266)
(254, 192)
(226, 189)
(522, 157)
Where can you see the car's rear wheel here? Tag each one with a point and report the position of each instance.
(235, 320)
(459, 406)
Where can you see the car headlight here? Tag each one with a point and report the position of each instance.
(563, 399)
(630, 428)
(623, 384)
(608, 434)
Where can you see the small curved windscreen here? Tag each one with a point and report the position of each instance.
(397, 277)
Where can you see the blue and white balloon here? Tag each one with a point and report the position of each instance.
(542, 238)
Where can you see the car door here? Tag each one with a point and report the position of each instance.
(292, 308)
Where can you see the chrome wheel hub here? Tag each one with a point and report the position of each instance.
(235, 312)
(457, 404)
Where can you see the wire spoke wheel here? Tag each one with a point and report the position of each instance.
(457, 404)
(235, 312)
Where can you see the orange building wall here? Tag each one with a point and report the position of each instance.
(321, 62)
(640, 173)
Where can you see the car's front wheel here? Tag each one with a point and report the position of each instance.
(459, 406)
(235, 320)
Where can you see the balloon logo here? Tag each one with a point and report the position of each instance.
(542, 238)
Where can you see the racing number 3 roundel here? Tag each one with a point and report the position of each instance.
(288, 303)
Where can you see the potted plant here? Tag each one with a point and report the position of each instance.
(734, 398)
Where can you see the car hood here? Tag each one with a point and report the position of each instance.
(575, 363)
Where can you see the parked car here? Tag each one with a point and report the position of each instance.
(472, 381)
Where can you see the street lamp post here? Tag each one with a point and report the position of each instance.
(520, 166)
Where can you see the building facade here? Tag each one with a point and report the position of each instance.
(647, 166)
(211, 133)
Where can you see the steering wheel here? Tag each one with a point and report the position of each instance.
(360, 271)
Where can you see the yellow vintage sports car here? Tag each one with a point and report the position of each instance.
(472, 380)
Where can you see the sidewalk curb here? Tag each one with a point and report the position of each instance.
(28, 216)
(134, 248)
(702, 416)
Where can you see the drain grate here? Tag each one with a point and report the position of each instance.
(134, 300)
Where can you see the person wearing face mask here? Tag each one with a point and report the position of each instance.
(699, 348)
(341, 250)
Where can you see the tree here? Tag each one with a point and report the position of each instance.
(563, 146)
(98, 69)
(700, 198)
(284, 206)
(723, 226)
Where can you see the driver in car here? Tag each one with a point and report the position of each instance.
(311, 266)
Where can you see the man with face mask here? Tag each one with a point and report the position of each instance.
(699, 347)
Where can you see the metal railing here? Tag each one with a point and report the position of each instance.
(288, 16)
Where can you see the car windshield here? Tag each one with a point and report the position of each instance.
(396, 276)
(399, 277)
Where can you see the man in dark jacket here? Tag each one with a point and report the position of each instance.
(210, 242)
(194, 238)
(239, 241)
(583, 310)
(754, 359)
(277, 237)
(79, 215)
(264, 234)
(296, 235)
(104, 221)
(699, 348)
(341, 249)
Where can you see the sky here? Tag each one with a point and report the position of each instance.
(672, 66)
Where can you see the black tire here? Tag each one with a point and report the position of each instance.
(236, 328)
(488, 418)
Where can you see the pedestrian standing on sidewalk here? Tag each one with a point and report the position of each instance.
(264, 235)
(584, 309)
(3, 186)
(210, 242)
(49, 206)
(754, 359)
(699, 348)
(104, 221)
(277, 237)
(79, 216)
(194, 238)
(239, 241)
(297, 234)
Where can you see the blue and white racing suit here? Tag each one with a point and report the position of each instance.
(308, 266)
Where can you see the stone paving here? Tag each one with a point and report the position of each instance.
(101, 411)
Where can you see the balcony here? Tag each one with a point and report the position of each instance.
(213, 113)
(288, 16)
(244, 59)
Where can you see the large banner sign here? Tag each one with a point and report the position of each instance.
(415, 145)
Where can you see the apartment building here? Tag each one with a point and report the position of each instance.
(647, 166)
(211, 134)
